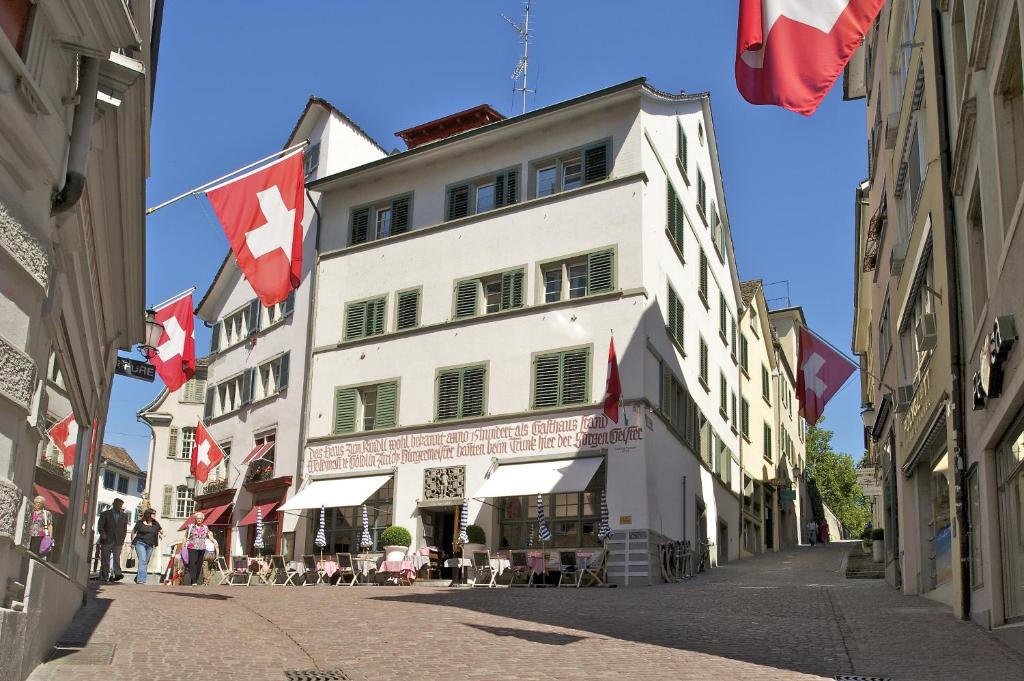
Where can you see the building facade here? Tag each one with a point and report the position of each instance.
(75, 94)
(119, 478)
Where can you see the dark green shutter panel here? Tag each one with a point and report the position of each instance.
(172, 442)
(215, 337)
(448, 394)
(666, 386)
(511, 289)
(168, 500)
(601, 271)
(400, 215)
(673, 313)
(682, 152)
(458, 202)
(211, 394)
(722, 314)
(282, 375)
(704, 274)
(355, 320)
(704, 361)
(595, 164)
(499, 191)
(387, 406)
(408, 305)
(466, 293)
(289, 305)
(254, 316)
(574, 376)
(672, 215)
(506, 188)
(345, 402)
(360, 225)
(473, 391)
(545, 380)
(248, 383)
(375, 310)
(732, 331)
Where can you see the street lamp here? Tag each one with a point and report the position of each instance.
(867, 414)
(154, 330)
(190, 482)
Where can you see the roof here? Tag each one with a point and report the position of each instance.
(748, 289)
(320, 101)
(119, 457)
(449, 125)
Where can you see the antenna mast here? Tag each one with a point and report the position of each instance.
(524, 61)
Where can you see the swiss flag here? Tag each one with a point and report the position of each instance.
(206, 454)
(64, 436)
(612, 387)
(790, 52)
(261, 213)
(175, 356)
(822, 372)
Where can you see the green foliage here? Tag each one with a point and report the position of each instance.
(396, 535)
(836, 481)
(877, 534)
(476, 534)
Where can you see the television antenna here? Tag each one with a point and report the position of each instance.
(519, 82)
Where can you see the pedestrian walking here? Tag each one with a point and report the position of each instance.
(824, 531)
(210, 558)
(812, 531)
(113, 528)
(40, 527)
(195, 540)
(145, 536)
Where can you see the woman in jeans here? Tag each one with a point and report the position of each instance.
(145, 535)
(195, 540)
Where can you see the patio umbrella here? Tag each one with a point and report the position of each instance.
(604, 529)
(463, 522)
(321, 538)
(364, 540)
(542, 527)
(258, 542)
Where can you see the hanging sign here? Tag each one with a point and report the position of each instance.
(144, 371)
(988, 380)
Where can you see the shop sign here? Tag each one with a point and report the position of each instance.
(527, 438)
(788, 495)
(988, 380)
(625, 520)
(125, 366)
(866, 481)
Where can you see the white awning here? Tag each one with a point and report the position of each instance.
(336, 492)
(540, 477)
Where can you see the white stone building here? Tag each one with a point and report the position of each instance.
(466, 293)
(75, 93)
(119, 478)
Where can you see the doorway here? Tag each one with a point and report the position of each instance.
(439, 530)
(723, 542)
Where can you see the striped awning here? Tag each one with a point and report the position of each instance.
(54, 502)
(258, 452)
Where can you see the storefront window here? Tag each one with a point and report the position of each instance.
(942, 539)
(572, 518)
(344, 526)
(1011, 507)
(974, 522)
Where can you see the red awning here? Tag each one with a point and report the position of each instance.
(55, 502)
(258, 452)
(212, 514)
(266, 509)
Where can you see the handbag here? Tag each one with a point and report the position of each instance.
(45, 545)
(130, 563)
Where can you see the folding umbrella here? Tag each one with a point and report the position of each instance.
(463, 522)
(321, 537)
(258, 542)
(604, 529)
(542, 527)
(365, 541)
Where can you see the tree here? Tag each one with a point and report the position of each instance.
(836, 480)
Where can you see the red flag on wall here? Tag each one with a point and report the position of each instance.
(175, 356)
(64, 436)
(822, 372)
(790, 52)
(206, 454)
(613, 387)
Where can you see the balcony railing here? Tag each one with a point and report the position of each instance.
(53, 468)
(259, 471)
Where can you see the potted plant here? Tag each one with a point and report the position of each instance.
(878, 545)
(865, 538)
(396, 541)
(477, 539)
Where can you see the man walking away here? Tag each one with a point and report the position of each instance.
(113, 528)
(812, 532)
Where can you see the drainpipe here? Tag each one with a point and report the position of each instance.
(956, 393)
(81, 136)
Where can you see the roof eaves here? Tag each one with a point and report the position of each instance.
(313, 99)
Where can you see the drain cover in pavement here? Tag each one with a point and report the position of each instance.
(315, 675)
(80, 655)
(848, 677)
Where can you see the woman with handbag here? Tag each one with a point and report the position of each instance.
(195, 541)
(40, 529)
(145, 535)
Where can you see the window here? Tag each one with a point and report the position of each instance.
(916, 168)
(732, 419)
(702, 196)
(572, 174)
(679, 409)
(959, 49)
(723, 318)
(723, 395)
(364, 318)
(767, 442)
(232, 330)
(311, 160)
(53, 371)
(1009, 120)
(262, 468)
(703, 290)
(766, 384)
(974, 523)
(343, 526)
(676, 222)
(407, 309)
(754, 325)
(716, 233)
(682, 152)
(744, 354)
(921, 304)
(381, 220)
(573, 517)
(561, 378)
(502, 291)
(572, 169)
(365, 408)
(272, 378)
(461, 393)
(483, 194)
(977, 253)
(109, 480)
(676, 318)
(14, 21)
(704, 363)
(230, 395)
(184, 504)
(188, 443)
(732, 336)
(547, 180)
(884, 335)
(745, 417)
(585, 275)
(122, 484)
(194, 389)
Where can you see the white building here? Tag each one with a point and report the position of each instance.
(466, 293)
(75, 93)
(119, 478)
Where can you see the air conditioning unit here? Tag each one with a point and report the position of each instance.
(904, 396)
(897, 258)
(892, 130)
(926, 332)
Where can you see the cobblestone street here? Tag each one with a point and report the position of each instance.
(783, 616)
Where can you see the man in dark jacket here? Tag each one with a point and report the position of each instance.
(113, 528)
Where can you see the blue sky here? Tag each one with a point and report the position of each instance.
(234, 76)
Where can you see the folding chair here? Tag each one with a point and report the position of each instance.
(222, 569)
(240, 575)
(280, 573)
(346, 570)
(311, 568)
(567, 561)
(522, 573)
(594, 570)
(485, 574)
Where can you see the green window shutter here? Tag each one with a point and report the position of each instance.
(168, 501)
(744, 353)
(704, 274)
(172, 442)
(666, 387)
(506, 188)
(745, 416)
(765, 383)
(375, 310)
(575, 376)
(360, 225)
(683, 150)
(215, 337)
(595, 164)
(723, 397)
(466, 294)
(355, 320)
(702, 194)
(387, 406)
(511, 289)
(545, 380)
(672, 214)
(282, 372)
(408, 310)
(472, 391)
(722, 315)
(704, 361)
(733, 419)
(458, 202)
(714, 226)
(672, 320)
(447, 406)
(346, 401)
(600, 272)
(732, 335)
(400, 215)
(211, 395)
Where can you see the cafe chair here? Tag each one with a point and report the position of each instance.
(522, 573)
(347, 574)
(311, 569)
(280, 573)
(484, 574)
(221, 565)
(567, 560)
(240, 575)
(594, 571)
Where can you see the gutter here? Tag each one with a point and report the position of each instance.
(81, 137)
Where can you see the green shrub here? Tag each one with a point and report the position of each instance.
(396, 535)
(866, 534)
(878, 534)
(476, 534)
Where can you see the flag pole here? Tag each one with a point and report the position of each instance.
(174, 298)
(200, 188)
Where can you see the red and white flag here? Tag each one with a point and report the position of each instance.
(822, 372)
(64, 436)
(206, 454)
(261, 213)
(175, 356)
(612, 387)
(790, 52)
